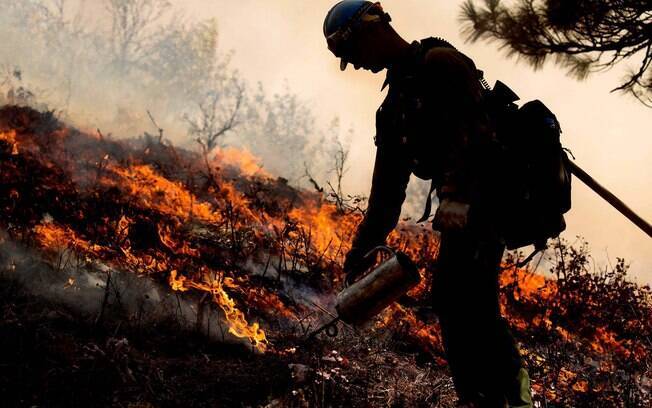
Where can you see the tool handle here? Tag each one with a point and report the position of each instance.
(609, 197)
(369, 254)
(379, 249)
(373, 252)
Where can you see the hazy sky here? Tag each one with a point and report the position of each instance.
(281, 40)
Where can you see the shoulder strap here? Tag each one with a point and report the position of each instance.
(426, 45)
(428, 209)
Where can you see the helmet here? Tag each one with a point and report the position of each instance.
(342, 13)
(343, 20)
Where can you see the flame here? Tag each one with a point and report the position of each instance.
(241, 159)
(9, 137)
(122, 229)
(51, 235)
(70, 283)
(238, 325)
(530, 286)
(605, 340)
(329, 232)
(165, 234)
(152, 190)
(427, 335)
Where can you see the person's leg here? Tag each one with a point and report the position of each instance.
(452, 303)
(501, 361)
(481, 352)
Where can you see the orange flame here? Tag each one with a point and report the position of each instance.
(329, 232)
(155, 191)
(165, 234)
(51, 235)
(238, 325)
(241, 159)
(9, 137)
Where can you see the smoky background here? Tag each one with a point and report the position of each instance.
(256, 75)
(143, 68)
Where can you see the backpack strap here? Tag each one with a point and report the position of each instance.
(428, 209)
(539, 247)
(427, 44)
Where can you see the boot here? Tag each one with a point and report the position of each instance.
(520, 394)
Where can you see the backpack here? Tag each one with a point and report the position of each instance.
(529, 180)
(535, 185)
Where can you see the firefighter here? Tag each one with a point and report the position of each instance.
(432, 124)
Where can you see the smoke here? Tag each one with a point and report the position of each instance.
(266, 265)
(98, 291)
(134, 67)
(71, 64)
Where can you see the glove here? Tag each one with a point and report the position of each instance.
(451, 215)
(355, 264)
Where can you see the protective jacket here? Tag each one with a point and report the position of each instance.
(431, 124)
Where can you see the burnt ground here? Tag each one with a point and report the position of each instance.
(52, 356)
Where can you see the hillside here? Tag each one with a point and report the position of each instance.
(136, 273)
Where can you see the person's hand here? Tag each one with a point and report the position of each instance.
(451, 215)
(355, 264)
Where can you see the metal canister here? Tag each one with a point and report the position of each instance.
(377, 289)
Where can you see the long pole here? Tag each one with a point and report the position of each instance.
(610, 198)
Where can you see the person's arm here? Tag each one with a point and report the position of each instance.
(390, 179)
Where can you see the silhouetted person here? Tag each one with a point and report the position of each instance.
(432, 124)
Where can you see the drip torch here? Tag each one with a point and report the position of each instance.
(391, 279)
(378, 288)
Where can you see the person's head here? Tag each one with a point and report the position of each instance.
(359, 32)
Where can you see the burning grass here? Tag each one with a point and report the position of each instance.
(221, 229)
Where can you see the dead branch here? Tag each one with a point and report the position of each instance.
(158, 128)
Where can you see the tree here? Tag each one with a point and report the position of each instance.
(584, 36)
(43, 38)
(336, 152)
(12, 89)
(184, 60)
(133, 27)
(218, 113)
(278, 130)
